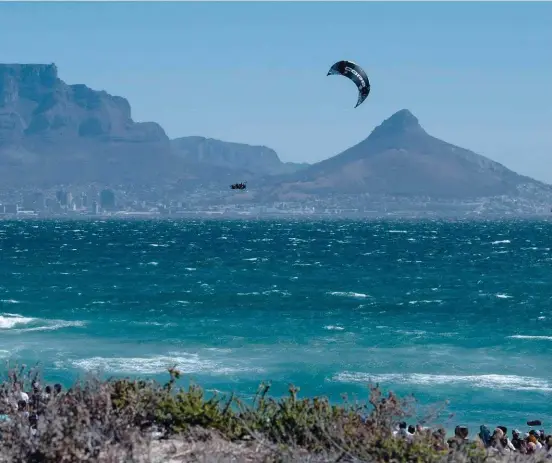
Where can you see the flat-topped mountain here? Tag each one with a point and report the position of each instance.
(232, 156)
(400, 158)
(52, 132)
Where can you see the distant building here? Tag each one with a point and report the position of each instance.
(64, 198)
(53, 205)
(95, 208)
(34, 202)
(107, 199)
(10, 208)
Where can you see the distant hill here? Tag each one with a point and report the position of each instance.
(52, 133)
(235, 157)
(400, 158)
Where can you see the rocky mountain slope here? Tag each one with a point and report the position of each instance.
(400, 158)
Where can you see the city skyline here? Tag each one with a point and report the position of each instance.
(480, 85)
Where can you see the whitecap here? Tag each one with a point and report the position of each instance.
(348, 294)
(185, 362)
(10, 320)
(19, 324)
(490, 381)
(536, 338)
(334, 328)
(52, 326)
(426, 301)
(501, 242)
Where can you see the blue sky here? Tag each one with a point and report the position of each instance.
(475, 74)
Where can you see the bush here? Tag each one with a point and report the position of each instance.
(121, 420)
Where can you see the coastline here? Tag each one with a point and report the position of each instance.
(170, 424)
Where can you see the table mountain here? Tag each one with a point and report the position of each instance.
(52, 133)
(234, 157)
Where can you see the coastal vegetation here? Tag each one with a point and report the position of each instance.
(120, 420)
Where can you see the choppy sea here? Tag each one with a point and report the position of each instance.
(457, 311)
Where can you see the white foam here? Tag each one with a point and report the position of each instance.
(426, 301)
(17, 323)
(334, 328)
(538, 338)
(348, 294)
(9, 301)
(52, 326)
(276, 291)
(503, 382)
(413, 332)
(501, 242)
(10, 320)
(503, 296)
(185, 362)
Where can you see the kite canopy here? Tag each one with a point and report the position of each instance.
(354, 72)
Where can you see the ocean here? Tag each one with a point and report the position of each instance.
(444, 310)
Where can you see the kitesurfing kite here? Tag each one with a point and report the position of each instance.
(354, 72)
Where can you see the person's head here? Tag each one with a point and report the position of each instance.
(21, 405)
(485, 434)
(57, 388)
(548, 442)
(411, 429)
(503, 429)
(402, 425)
(461, 431)
(48, 389)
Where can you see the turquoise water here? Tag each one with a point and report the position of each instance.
(444, 310)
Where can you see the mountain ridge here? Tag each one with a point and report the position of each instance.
(54, 133)
(400, 158)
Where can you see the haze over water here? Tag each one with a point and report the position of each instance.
(445, 310)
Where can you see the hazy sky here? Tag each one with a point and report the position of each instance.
(476, 74)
